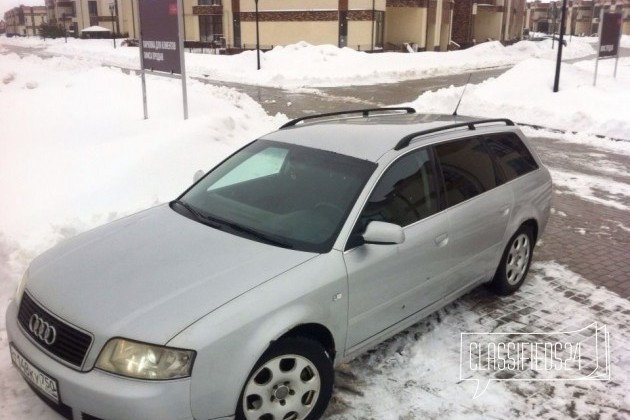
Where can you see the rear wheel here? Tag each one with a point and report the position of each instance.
(293, 380)
(515, 262)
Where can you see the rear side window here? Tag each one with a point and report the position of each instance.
(511, 155)
(467, 169)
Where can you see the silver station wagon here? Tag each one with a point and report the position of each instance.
(296, 253)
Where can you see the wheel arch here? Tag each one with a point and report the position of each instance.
(316, 332)
(532, 224)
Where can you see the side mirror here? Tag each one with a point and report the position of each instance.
(383, 233)
(198, 175)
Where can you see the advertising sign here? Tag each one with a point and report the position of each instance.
(159, 49)
(610, 35)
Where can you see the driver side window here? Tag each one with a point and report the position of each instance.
(405, 194)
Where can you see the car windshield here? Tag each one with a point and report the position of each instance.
(282, 194)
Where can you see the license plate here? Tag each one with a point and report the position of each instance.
(47, 385)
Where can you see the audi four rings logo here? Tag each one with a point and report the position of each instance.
(42, 329)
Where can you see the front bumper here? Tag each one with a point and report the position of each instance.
(97, 394)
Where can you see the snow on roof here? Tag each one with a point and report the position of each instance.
(96, 29)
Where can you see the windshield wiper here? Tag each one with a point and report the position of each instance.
(197, 215)
(220, 224)
(258, 235)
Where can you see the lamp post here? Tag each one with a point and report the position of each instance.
(111, 12)
(556, 81)
(257, 37)
(116, 14)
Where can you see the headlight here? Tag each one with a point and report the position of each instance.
(20, 288)
(144, 361)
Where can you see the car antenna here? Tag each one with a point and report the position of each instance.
(462, 95)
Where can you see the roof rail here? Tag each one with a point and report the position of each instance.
(363, 112)
(404, 142)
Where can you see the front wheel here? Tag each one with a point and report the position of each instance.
(515, 262)
(292, 380)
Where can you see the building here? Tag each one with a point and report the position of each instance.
(119, 16)
(422, 25)
(582, 15)
(357, 24)
(3, 27)
(425, 25)
(501, 20)
(24, 20)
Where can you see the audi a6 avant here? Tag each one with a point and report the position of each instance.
(297, 252)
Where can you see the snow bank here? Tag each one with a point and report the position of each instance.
(525, 94)
(75, 147)
(305, 65)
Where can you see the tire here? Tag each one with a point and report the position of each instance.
(292, 380)
(515, 262)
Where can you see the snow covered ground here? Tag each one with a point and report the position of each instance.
(413, 375)
(304, 65)
(75, 153)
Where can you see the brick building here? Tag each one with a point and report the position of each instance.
(359, 24)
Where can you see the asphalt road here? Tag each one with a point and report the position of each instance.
(297, 103)
(300, 102)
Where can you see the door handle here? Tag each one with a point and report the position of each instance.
(441, 240)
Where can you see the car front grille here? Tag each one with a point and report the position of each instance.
(70, 344)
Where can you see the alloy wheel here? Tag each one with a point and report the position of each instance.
(283, 388)
(517, 259)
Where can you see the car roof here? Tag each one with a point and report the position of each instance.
(367, 137)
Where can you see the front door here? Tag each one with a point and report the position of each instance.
(388, 283)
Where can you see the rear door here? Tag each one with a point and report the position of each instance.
(478, 209)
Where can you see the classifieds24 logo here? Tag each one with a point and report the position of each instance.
(581, 355)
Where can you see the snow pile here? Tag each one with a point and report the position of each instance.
(305, 65)
(525, 94)
(74, 145)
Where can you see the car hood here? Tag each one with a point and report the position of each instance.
(150, 275)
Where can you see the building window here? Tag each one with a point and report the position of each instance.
(209, 2)
(210, 27)
(92, 7)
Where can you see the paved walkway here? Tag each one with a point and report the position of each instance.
(589, 238)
